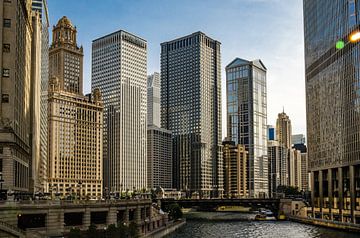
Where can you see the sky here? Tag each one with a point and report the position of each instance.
(270, 30)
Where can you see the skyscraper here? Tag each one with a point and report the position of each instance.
(235, 157)
(295, 169)
(271, 132)
(283, 130)
(15, 77)
(159, 157)
(35, 94)
(75, 121)
(153, 99)
(41, 7)
(191, 109)
(278, 166)
(246, 118)
(119, 70)
(333, 107)
(298, 139)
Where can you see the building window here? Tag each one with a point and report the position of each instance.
(5, 98)
(7, 22)
(6, 48)
(6, 72)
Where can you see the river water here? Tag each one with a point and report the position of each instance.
(254, 229)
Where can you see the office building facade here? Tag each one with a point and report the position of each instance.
(235, 158)
(159, 159)
(191, 109)
(333, 102)
(283, 130)
(119, 70)
(40, 6)
(247, 117)
(298, 139)
(153, 99)
(75, 121)
(15, 78)
(278, 169)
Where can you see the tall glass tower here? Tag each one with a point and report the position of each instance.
(333, 107)
(191, 109)
(246, 118)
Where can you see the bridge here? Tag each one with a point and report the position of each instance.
(212, 204)
(53, 218)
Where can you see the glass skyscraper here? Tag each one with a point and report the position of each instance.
(191, 109)
(333, 108)
(246, 118)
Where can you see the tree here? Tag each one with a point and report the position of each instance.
(288, 190)
(123, 230)
(133, 230)
(92, 232)
(112, 231)
(74, 233)
(174, 211)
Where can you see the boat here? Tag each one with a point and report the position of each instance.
(265, 215)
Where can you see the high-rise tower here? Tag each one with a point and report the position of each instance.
(75, 121)
(283, 130)
(15, 90)
(191, 109)
(333, 107)
(65, 57)
(119, 70)
(153, 99)
(246, 118)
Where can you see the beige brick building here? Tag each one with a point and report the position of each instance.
(235, 157)
(75, 121)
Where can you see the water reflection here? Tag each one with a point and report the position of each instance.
(254, 229)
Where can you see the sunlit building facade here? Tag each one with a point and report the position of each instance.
(235, 157)
(15, 78)
(247, 118)
(333, 108)
(75, 121)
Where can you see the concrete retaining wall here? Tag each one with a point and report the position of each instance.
(167, 230)
(327, 223)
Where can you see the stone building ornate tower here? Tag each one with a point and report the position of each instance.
(66, 57)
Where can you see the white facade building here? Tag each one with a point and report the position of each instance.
(119, 70)
(153, 99)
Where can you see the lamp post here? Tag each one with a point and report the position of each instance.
(79, 185)
(1, 185)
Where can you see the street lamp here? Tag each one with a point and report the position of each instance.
(79, 185)
(354, 37)
(1, 186)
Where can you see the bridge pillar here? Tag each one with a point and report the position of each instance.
(126, 215)
(352, 193)
(55, 221)
(321, 194)
(313, 193)
(138, 215)
(331, 194)
(87, 218)
(112, 216)
(341, 198)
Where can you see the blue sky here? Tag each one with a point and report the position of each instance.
(271, 30)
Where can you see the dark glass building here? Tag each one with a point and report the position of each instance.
(191, 109)
(333, 107)
(247, 116)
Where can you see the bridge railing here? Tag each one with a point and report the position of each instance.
(11, 227)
